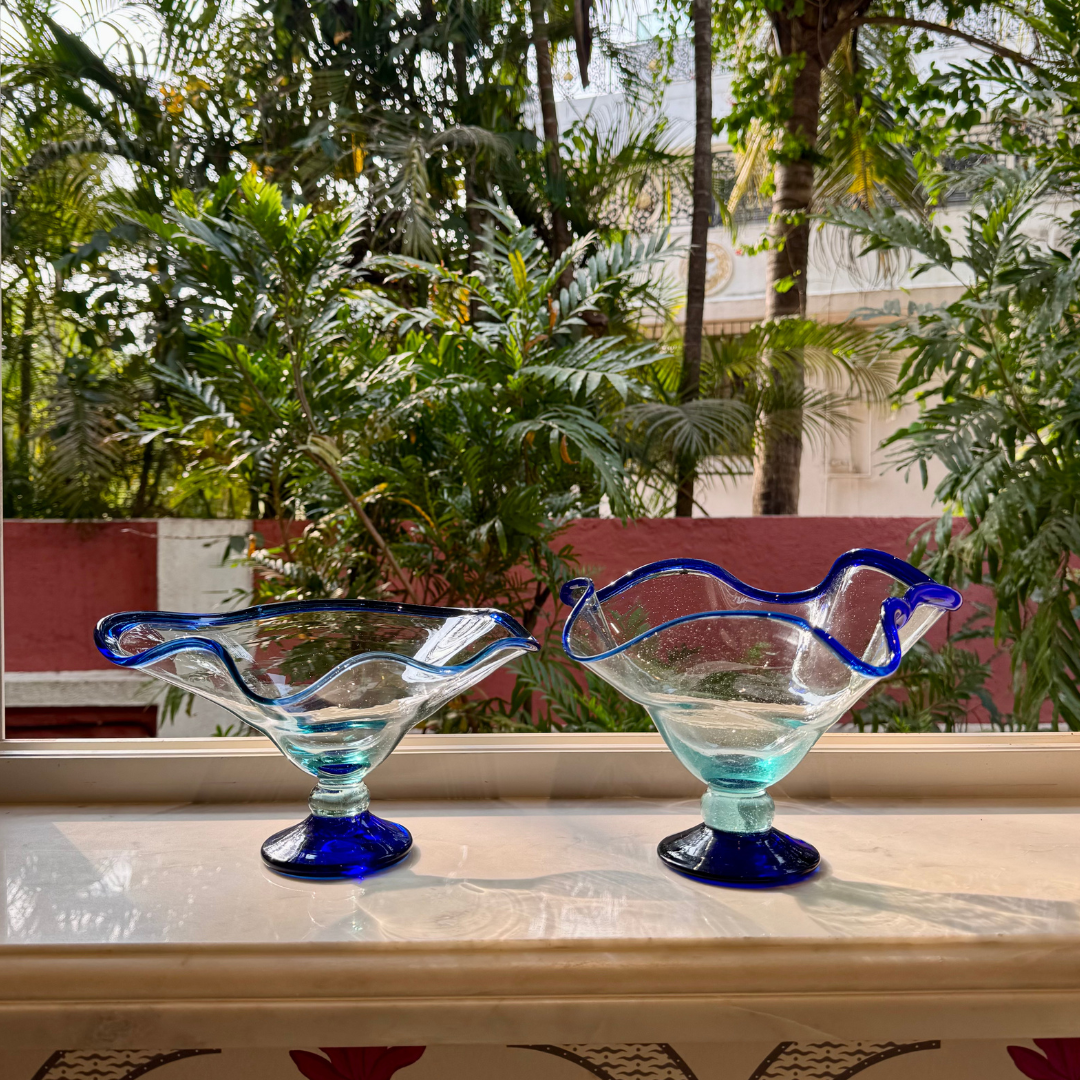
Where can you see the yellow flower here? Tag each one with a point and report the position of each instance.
(173, 101)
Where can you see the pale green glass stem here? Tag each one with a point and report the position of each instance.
(737, 813)
(331, 798)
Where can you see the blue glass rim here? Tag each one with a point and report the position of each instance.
(895, 611)
(111, 627)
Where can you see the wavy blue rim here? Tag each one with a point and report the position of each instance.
(111, 627)
(895, 611)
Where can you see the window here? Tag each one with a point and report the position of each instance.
(192, 424)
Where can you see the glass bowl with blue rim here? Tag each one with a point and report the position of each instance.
(741, 683)
(335, 684)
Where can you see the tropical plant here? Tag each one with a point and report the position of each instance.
(262, 311)
(84, 133)
(326, 101)
(997, 377)
(395, 113)
(606, 166)
(72, 327)
(1023, 103)
(431, 455)
(510, 413)
(701, 218)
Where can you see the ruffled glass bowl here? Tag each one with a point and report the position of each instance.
(742, 682)
(335, 684)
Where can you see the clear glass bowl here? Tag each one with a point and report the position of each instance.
(741, 682)
(335, 684)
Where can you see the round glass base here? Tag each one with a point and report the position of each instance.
(335, 847)
(764, 858)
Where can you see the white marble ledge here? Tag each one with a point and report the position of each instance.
(536, 921)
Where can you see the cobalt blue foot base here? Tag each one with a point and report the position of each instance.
(765, 858)
(337, 847)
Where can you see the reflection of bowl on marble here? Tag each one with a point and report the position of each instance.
(741, 682)
(335, 684)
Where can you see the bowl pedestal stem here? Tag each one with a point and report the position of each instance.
(340, 838)
(736, 844)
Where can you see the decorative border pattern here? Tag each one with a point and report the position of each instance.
(623, 1061)
(110, 1064)
(831, 1061)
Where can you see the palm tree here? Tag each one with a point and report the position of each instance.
(699, 228)
(813, 33)
(812, 41)
(560, 234)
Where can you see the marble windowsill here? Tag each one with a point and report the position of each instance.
(537, 921)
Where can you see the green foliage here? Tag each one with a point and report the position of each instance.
(436, 449)
(934, 690)
(1023, 103)
(74, 365)
(997, 375)
(391, 109)
(883, 123)
(78, 366)
(573, 699)
(868, 86)
(388, 110)
(258, 316)
(607, 166)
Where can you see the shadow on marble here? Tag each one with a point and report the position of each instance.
(862, 909)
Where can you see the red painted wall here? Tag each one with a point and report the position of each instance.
(60, 579)
(778, 553)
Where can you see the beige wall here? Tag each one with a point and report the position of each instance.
(849, 476)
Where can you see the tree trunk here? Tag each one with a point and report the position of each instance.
(699, 229)
(139, 505)
(560, 234)
(776, 467)
(26, 379)
(19, 491)
(473, 217)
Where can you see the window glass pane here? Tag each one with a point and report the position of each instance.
(337, 310)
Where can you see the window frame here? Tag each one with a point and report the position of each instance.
(570, 765)
(976, 765)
